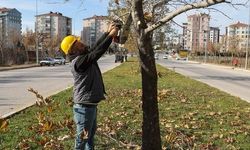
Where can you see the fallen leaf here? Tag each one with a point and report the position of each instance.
(3, 125)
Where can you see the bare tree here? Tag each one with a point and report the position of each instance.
(234, 44)
(151, 139)
(2, 46)
(29, 42)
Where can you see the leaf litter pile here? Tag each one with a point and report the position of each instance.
(192, 116)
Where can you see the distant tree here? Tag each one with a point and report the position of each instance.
(2, 47)
(29, 41)
(233, 43)
(50, 45)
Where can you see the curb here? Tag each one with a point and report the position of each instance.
(18, 67)
(222, 66)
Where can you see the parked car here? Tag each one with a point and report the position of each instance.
(165, 56)
(156, 56)
(181, 58)
(47, 61)
(60, 60)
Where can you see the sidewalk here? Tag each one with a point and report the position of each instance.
(221, 66)
(5, 68)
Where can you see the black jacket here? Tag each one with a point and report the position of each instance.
(88, 82)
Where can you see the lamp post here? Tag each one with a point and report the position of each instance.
(205, 44)
(37, 58)
(248, 38)
(74, 20)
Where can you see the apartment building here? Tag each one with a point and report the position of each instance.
(10, 26)
(214, 35)
(184, 39)
(53, 25)
(237, 36)
(93, 28)
(197, 32)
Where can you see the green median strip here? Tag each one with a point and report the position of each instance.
(192, 115)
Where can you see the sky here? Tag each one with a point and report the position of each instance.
(80, 9)
(75, 9)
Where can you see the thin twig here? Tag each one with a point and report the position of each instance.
(119, 142)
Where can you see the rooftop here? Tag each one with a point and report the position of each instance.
(97, 17)
(52, 14)
(4, 9)
(238, 24)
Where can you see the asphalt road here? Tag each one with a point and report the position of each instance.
(14, 95)
(233, 81)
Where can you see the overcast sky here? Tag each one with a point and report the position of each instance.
(78, 10)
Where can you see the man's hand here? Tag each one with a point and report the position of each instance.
(111, 26)
(114, 32)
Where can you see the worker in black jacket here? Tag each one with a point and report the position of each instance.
(88, 88)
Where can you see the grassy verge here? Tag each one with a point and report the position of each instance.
(192, 115)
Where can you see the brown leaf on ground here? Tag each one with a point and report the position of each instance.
(3, 125)
(84, 134)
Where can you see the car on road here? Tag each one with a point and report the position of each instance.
(156, 56)
(60, 60)
(47, 61)
(181, 58)
(165, 56)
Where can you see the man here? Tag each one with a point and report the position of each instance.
(88, 88)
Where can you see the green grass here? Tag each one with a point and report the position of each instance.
(192, 114)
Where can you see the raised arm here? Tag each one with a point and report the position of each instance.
(100, 48)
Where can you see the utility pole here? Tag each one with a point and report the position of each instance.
(248, 38)
(206, 44)
(37, 58)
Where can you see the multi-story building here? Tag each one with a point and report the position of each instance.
(197, 32)
(93, 28)
(53, 25)
(214, 35)
(184, 39)
(10, 26)
(237, 36)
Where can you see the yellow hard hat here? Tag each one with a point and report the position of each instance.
(67, 42)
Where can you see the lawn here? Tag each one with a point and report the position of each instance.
(193, 115)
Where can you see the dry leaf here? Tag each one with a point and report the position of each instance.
(84, 134)
(3, 125)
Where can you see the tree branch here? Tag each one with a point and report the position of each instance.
(182, 9)
(217, 10)
(159, 4)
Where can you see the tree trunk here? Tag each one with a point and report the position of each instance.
(151, 139)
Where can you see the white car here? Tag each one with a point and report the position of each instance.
(156, 56)
(60, 60)
(165, 56)
(47, 61)
(181, 58)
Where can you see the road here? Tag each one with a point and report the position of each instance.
(233, 81)
(46, 80)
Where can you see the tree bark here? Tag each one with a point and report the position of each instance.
(151, 139)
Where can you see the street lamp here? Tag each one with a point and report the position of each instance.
(248, 38)
(205, 44)
(37, 58)
(74, 20)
